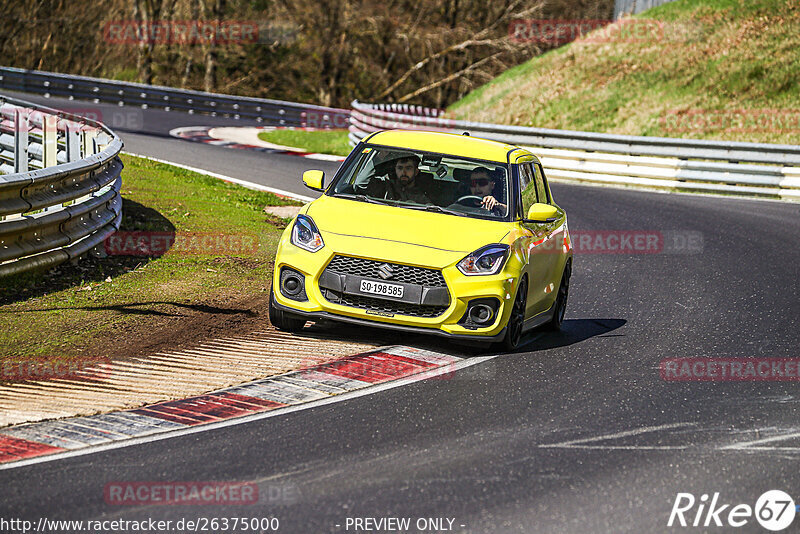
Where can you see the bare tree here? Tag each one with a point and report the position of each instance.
(215, 12)
(429, 53)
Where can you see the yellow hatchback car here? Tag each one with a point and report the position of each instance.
(428, 232)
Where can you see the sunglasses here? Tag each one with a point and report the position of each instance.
(481, 182)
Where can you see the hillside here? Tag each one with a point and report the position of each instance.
(708, 69)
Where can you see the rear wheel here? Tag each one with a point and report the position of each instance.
(517, 319)
(561, 300)
(282, 320)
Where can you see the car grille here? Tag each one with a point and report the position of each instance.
(383, 306)
(400, 273)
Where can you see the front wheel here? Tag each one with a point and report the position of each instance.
(282, 320)
(561, 301)
(517, 319)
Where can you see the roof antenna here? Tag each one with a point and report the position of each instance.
(465, 133)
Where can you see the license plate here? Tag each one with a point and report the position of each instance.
(381, 288)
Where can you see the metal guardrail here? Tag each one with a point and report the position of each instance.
(752, 169)
(59, 186)
(272, 112)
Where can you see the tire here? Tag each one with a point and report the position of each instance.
(282, 320)
(517, 318)
(561, 301)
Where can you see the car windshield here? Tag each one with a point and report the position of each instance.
(426, 181)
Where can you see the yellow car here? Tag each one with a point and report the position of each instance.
(428, 232)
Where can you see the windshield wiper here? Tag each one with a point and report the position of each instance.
(363, 198)
(437, 209)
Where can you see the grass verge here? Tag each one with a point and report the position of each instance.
(318, 141)
(219, 264)
(711, 69)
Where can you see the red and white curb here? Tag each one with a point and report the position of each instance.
(356, 375)
(204, 134)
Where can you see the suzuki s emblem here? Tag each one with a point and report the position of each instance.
(385, 271)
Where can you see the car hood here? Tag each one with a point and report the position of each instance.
(428, 229)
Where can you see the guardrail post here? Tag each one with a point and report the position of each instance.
(73, 141)
(89, 144)
(49, 141)
(20, 141)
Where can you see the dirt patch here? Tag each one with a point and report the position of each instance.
(186, 324)
(285, 212)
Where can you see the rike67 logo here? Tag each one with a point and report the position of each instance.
(774, 510)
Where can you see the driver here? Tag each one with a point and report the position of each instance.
(481, 184)
(404, 185)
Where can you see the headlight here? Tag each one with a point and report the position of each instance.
(305, 234)
(485, 260)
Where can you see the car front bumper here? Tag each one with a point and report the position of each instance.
(461, 288)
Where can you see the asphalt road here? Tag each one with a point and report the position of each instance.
(493, 446)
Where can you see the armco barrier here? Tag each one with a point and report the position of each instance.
(271, 112)
(750, 169)
(59, 185)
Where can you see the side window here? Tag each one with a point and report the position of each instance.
(527, 184)
(541, 189)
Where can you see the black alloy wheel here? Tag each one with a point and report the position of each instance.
(282, 320)
(517, 319)
(561, 300)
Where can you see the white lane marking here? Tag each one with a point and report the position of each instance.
(324, 157)
(766, 449)
(244, 183)
(635, 188)
(753, 445)
(250, 418)
(582, 443)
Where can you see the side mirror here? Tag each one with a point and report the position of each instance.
(314, 180)
(542, 213)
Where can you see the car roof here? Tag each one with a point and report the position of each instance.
(447, 143)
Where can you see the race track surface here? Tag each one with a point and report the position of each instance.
(578, 432)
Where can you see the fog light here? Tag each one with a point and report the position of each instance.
(481, 314)
(293, 284)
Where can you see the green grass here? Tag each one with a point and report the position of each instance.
(716, 69)
(319, 141)
(64, 311)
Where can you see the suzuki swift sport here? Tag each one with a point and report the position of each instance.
(428, 232)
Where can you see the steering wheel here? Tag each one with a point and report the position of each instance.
(471, 201)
